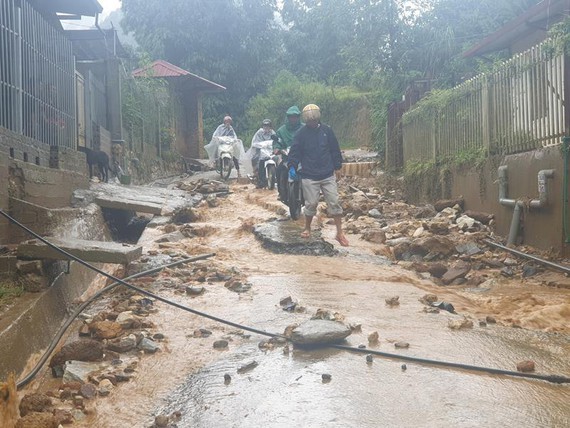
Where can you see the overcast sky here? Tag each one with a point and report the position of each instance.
(108, 7)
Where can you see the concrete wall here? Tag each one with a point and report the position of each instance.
(480, 188)
(34, 172)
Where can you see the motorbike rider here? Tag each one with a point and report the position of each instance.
(263, 134)
(315, 146)
(284, 140)
(226, 130)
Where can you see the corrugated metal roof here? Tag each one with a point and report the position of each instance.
(164, 69)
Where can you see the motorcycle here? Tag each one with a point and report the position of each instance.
(290, 190)
(261, 154)
(223, 150)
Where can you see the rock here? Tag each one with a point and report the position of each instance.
(285, 301)
(194, 291)
(510, 262)
(202, 332)
(121, 345)
(184, 215)
(105, 387)
(227, 378)
(317, 331)
(507, 272)
(458, 270)
(404, 367)
(465, 223)
(468, 249)
(526, 366)
(373, 338)
(393, 301)
(490, 319)
(30, 266)
(88, 390)
(237, 286)
(158, 336)
(369, 358)
(437, 227)
(149, 346)
(448, 203)
(482, 323)
(105, 329)
(220, 344)
(375, 213)
(77, 414)
(437, 245)
(446, 306)
(248, 367)
(376, 236)
(426, 211)
(161, 421)
(34, 402)
(285, 238)
(398, 241)
(79, 371)
(428, 299)
(127, 319)
(62, 417)
(459, 281)
(401, 345)
(326, 377)
(37, 420)
(460, 324)
(84, 331)
(437, 269)
(493, 263)
(401, 251)
(81, 350)
(420, 231)
(528, 271)
(480, 216)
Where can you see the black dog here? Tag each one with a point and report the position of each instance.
(99, 158)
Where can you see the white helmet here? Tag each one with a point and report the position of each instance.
(311, 112)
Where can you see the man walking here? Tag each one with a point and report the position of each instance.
(315, 156)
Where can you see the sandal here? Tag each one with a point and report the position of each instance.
(342, 240)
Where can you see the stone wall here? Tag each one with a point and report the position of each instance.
(543, 228)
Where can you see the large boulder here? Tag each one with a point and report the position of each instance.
(81, 350)
(435, 245)
(319, 332)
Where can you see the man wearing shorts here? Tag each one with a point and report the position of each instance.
(315, 156)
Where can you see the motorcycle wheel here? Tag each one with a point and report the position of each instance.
(295, 200)
(226, 168)
(271, 177)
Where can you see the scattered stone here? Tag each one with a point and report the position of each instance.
(286, 301)
(88, 390)
(402, 345)
(458, 270)
(404, 367)
(375, 213)
(448, 203)
(84, 331)
(376, 236)
(161, 421)
(128, 319)
(62, 417)
(81, 350)
(37, 420)
(526, 366)
(237, 286)
(355, 328)
(373, 338)
(507, 272)
(202, 333)
(369, 358)
(361, 346)
(460, 324)
(158, 336)
(480, 216)
(184, 215)
(317, 331)
(78, 401)
(468, 249)
(248, 367)
(79, 371)
(528, 271)
(326, 377)
(105, 329)
(194, 291)
(437, 227)
(105, 387)
(510, 262)
(149, 346)
(34, 402)
(227, 378)
(393, 301)
(446, 306)
(121, 345)
(220, 344)
(77, 414)
(437, 245)
(482, 323)
(428, 299)
(490, 319)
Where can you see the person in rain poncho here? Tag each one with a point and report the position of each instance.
(226, 130)
(288, 129)
(263, 134)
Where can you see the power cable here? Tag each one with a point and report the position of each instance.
(548, 378)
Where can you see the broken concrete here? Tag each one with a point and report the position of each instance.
(285, 238)
(91, 251)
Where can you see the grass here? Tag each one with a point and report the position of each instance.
(10, 289)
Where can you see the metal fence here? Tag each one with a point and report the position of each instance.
(37, 76)
(519, 107)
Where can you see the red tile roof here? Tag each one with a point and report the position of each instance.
(161, 68)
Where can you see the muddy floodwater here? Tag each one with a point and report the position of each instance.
(279, 386)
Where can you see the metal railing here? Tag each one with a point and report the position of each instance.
(37, 76)
(519, 107)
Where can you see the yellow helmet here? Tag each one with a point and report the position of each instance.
(311, 112)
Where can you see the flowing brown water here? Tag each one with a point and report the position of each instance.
(287, 390)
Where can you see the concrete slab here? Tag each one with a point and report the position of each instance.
(90, 251)
(284, 237)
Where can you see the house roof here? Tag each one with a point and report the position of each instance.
(164, 69)
(95, 44)
(541, 16)
(71, 7)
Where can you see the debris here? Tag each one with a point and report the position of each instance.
(248, 367)
(445, 306)
(373, 338)
(460, 324)
(319, 332)
(458, 270)
(227, 378)
(448, 203)
(526, 366)
(369, 358)
(220, 344)
(404, 367)
(393, 301)
(401, 345)
(326, 377)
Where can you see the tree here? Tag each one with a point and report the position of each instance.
(231, 42)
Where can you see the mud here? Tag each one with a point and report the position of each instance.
(186, 377)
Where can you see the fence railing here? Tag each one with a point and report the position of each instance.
(37, 76)
(517, 108)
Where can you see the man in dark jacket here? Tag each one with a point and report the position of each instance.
(315, 154)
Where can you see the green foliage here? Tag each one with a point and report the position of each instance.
(10, 289)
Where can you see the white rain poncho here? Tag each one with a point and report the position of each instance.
(236, 149)
(260, 150)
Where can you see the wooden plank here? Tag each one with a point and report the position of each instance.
(90, 251)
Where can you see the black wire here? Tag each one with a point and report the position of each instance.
(28, 378)
(549, 378)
